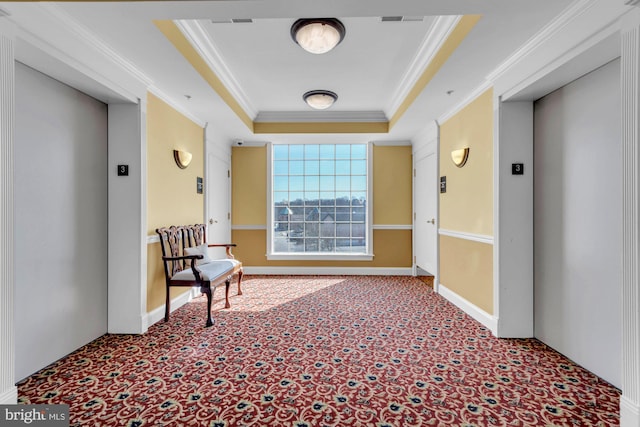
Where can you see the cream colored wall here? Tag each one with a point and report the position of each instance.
(171, 192)
(466, 266)
(392, 171)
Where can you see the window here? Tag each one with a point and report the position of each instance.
(319, 201)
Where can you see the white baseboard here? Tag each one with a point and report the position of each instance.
(330, 271)
(9, 396)
(629, 413)
(134, 325)
(471, 309)
(158, 314)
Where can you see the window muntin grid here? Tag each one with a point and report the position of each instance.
(319, 199)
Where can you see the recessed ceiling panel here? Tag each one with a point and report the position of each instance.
(365, 70)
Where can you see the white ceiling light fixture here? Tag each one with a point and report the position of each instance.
(320, 99)
(318, 35)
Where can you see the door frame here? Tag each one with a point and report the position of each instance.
(223, 154)
(427, 142)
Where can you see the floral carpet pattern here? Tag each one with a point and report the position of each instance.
(323, 351)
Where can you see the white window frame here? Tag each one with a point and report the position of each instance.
(317, 256)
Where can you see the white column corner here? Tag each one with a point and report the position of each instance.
(630, 84)
(8, 390)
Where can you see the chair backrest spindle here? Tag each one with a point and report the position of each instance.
(172, 244)
(174, 239)
(197, 232)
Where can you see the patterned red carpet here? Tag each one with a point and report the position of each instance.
(323, 351)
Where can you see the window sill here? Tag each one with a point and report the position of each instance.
(319, 257)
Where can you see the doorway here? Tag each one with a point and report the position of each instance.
(577, 217)
(426, 212)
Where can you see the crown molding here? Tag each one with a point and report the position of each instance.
(238, 143)
(547, 32)
(53, 42)
(83, 33)
(176, 106)
(7, 28)
(433, 40)
(471, 96)
(391, 144)
(200, 40)
(321, 117)
(427, 133)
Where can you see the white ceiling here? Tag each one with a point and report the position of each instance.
(364, 70)
(371, 70)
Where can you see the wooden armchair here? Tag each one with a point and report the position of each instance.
(186, 263)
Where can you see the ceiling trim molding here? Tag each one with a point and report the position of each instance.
(321, 116)
(471, 96)
(436, 36)
(320, 127)
(583, 58)
(459, 33)
(392, 143)
(180, 41)
(197, 36)
(545, 34)
(54, 43)
(244, 144)
(173, 104)
(287, 122)
(83, 33)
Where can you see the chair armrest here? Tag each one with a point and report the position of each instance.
(180, 258)
(228, 247)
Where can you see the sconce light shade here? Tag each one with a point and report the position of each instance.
(182, 158)
(318, 35)
(460, 156)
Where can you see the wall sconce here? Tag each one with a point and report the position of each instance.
(460, 156)
(182, 158)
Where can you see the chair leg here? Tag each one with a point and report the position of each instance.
(207, 291)
(227, 282)
(239, 282)
(167, 305)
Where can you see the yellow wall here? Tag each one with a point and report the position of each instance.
(249, 186)
(171, 192)
(467, 270)
(466, 266)
(392, 248)
(392, 171)
(468, 203)
(392, 184)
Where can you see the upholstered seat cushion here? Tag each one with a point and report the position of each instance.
(210, 271)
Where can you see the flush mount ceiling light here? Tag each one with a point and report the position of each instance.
(320, 99)
(317, 35)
